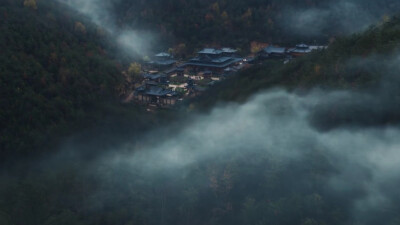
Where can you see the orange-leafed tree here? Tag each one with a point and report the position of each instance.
(79, 27)
(30, 4)
(134, 71)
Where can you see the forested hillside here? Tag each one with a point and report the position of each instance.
(333, 68)
(57, 72)
(197, 23)
(57, 67)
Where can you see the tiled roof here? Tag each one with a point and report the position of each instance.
(273, 49)
(211, 51)
(299, 50)
(228, 50)
(302, 46)
(221, 59)
(163, 54)
(155, 91)
(152, 76)
(214, 64)
(163, 62)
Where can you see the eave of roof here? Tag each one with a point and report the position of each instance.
(272, 49)
(163, 62)
(163, 54)
(228, 50)
(210, 51)
(204, 64)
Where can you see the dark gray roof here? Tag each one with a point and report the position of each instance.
(221, 59)
(175, 69)
(163, 62)
(163, 54)
(302, 46)
(141, 88)
(214, 64)
(299, 50)
(276, 50)
(152, 76)
(230, 69)
(210, 51)
(317, 47)
(158, 91)
(152, 83)
(155, 91)
(228, 50)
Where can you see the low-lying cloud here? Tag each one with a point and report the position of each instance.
(361, 142)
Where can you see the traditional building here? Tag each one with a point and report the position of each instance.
(180, 72)
(163, 56)
(215, 60)
(229, 71)
(209, 52)
(152, 93)
(272, 52)
(250, 60)
(158, 78)
(162, 60)
(299, 50)
(317, 47)
(230, 52)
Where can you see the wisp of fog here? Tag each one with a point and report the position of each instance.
(137, 42)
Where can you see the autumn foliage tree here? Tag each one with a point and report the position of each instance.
(80, 28)
(134, 71)
(30, 4)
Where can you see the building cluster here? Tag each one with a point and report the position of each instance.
(167, 80)
(287, 53)
(214, 61)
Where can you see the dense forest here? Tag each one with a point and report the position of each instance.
(328, 69)
(195, 23)
(59, 73)
(277, 144)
